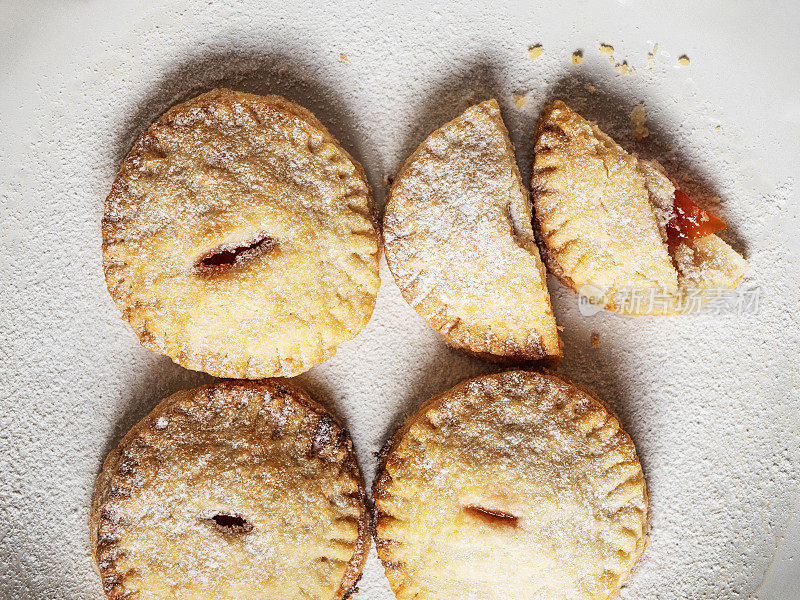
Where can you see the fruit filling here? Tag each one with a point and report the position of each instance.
(228, 255)
(493, 516)
(689, 221)
(231, 523)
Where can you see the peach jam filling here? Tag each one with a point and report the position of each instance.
(689, 221)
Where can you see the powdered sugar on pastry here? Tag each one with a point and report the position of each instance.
(459, 242)
(231, 490)
(602, 216)
(705, 264)
(238, 238)
(516, 485)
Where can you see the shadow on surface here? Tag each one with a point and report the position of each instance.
(161, 379)
(258, 72)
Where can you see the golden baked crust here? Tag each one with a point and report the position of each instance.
(600, 219)
(239, 238)
(515, 485)
(235, 489)
(458, 240)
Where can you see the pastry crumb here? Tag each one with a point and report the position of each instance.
(591, 89)
(638, 118)
(520, 100)
(343, 57)
(560, 328)
(577, 57)
(535, 52)
(623, 68)
(651, 56)
(684, 60)
(594, 339)
(607, 49)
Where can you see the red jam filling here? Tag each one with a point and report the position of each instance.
(689, 221)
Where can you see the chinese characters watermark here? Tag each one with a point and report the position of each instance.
(655, 301)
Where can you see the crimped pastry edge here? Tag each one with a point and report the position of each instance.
(546, 253)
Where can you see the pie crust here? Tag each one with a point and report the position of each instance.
(458, 240)
(600, 219)
(239, 238)
(236, 489)
(516, 485)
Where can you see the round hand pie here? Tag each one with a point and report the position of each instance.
(238, 238)
(231, 490)
(518, 485)
(616, 230)
(458, 238)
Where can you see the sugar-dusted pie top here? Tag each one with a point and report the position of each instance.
(458, 240)
(231, 490)
(515, 485)
(593, 207)
(601, 216)
(238, 237)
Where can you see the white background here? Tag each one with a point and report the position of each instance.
(711, 400)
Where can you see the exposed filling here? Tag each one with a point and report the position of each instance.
(227, 255)
(493, 516)
(690, 222)
(231, 523)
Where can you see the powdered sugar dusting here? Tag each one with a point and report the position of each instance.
(457, 231)
(710, 400)
(215, 499)
(544, 462)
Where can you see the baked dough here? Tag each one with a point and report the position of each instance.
(458, 240)
(601, 218)
(517, 485)
(231, 490)
(239, 239)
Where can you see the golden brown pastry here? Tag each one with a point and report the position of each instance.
(238, 238)
(236, 489)
(615, 229)
(458, 239)
(518, 485)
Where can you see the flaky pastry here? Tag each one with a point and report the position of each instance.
(231, 490)
(458, 240)
(615, 228)
(239, 238)
(518, 485)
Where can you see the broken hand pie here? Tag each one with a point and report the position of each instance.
(514, 486)
(231, 490)
(615, 229)
(238, 238)
(458, 240)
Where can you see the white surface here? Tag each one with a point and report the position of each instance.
(711, 400)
